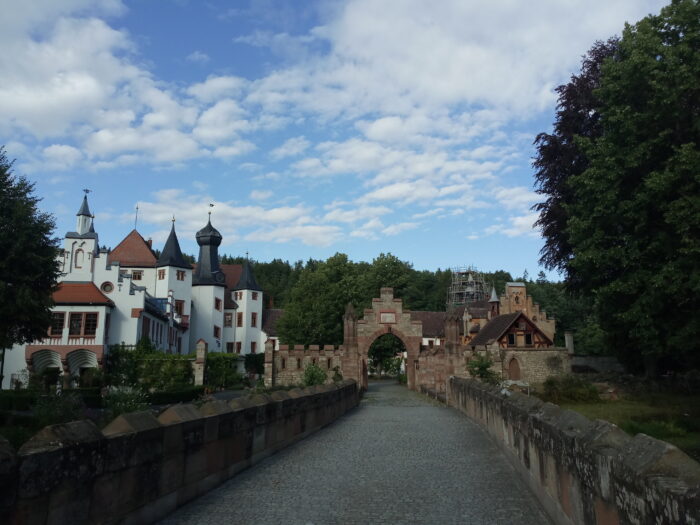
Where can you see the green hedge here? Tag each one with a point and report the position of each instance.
(17, 400)
(92, 396)
(181, 395)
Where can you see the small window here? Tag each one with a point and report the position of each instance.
(90, 324)
(511, 339)
(528, 339)
(284, 363)
(161, 274)
(254, 319)
(180, 275)
(228, 319)
(217, 332)
(255, 296)
(229, 348)
(298, 363)
(58, 320)
(179, 307)
(137, 275)
(107, 287)
(253, 347)
(239, 296)
(239, 319)
(238, 348)
(328, 363)
(217, 303)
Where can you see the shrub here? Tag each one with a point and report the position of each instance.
(122, 400)
(337, 376)
(255, 363)
(403, 379)
(54, 409)
(182, 395)
(92, 397)
(222, 371)
(17, 399)
(314, 375)
(479, 366)
(569, 388)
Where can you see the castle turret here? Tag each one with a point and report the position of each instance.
(494, 303)
(172, 254)
(208, 271)
(84, 220)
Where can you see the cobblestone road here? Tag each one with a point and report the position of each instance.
(397, 458)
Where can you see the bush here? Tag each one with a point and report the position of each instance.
(123, 400)
(314, 375)
(337, 376)
(480, 367)
(17, 399)
(54, 409)
(403, 379)
(569, 388)
(255, 363)
(222, 371)
(182, 395)
(92, 397)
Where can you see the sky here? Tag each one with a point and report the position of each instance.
(313, 127)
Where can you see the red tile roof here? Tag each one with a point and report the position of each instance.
(133, 251)
(233, 275)
(433, 323)
(270, 318)
(80, 293)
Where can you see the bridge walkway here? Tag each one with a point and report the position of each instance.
(397, 458)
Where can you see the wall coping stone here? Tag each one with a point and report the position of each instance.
(133, 422)
(179, 413)
(56, 437)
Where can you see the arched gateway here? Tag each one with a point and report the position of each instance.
(385, 317)
(285, 364)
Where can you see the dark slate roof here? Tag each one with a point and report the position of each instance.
(133, 251)
(84, 208)
(433, 323)
(172, 255)
(208, 235)
(270, 318)
(494, 329)
(247, 280)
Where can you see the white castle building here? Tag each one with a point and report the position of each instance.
(120, 296)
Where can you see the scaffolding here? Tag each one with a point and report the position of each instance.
(467, 286)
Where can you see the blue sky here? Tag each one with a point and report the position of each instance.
(362, 126)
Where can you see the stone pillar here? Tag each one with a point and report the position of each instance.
(269, 364)
(569, 342)
(200, 362)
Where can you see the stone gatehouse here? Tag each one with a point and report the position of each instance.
(519, 349)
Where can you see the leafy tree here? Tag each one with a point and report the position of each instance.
(254, 363)
(629, 232)
(479, 366)
(560, 155)
(28, 265)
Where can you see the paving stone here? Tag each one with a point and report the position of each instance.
(398, 458)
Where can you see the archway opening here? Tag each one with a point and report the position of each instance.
(514, 370)
(387, 357)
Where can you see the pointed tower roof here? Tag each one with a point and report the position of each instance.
(84, 208)
(494, 296)
(247, 280)
(133, 251)
(172, 255)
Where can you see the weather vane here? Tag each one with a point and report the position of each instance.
(136, 219)
(173, 219)
(86, 191)
(210, 206)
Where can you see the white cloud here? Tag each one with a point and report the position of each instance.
(216, 87)
(520, 225)
(395, 229)
(260, 195)
(311, 235)
(291, 147)
(61, 157)
(355, 214)
(516, 197)
(197, 57)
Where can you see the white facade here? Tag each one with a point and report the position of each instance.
(156, 300)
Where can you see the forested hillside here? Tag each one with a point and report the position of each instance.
(314, 295)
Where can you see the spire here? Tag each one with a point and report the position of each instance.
(92, 224)
(247, 280)
(172, 254)
(84, 208)
(208, 271)
(494, 297)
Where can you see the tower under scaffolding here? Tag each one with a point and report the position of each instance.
(467, 286)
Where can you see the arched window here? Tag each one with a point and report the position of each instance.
(79, 257)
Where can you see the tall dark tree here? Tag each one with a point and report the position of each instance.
(28, 263)
(560, 155)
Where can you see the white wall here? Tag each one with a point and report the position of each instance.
(205, 317)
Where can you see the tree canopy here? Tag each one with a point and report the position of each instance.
(628, 235)
(28, 265)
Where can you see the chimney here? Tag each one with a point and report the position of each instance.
(150, 242)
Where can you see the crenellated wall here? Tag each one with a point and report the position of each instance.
(140, 468)
(583, 471)
(289, 363)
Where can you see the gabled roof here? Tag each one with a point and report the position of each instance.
(133, 251)
(433, 323)
(247, 280)
(80, 293)
(270, 318)
(172, 254)
(498, 326)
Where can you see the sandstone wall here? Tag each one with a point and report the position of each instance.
(286, 365)
(584, 472)
(140, 468)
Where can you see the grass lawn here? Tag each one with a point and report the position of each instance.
(671, 418)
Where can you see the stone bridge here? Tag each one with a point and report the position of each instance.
(398, 458)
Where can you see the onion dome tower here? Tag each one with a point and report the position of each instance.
(208, 272)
